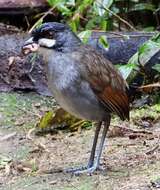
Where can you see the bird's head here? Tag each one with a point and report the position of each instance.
(51, 35)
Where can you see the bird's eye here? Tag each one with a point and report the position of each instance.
(49, 35)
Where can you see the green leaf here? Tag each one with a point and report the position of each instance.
(83, 5)
(103, 24)
(156, 107)
(85, 35)
(126, 70)
(39, 23)
(64, 10)
(99, 4)
(147, 50)
(156, 38)
(126, 37)
(149, 29)
(73, 26)
(71, 3)
(103, 41)
(134, 59)
(46, 120)
(53, 2)
(143, 6)
(50, 2)
(156, 67)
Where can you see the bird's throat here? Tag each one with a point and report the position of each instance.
(46, 53)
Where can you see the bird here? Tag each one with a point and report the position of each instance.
(82, 81)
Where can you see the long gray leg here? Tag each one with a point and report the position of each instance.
(92, 155)
(99, 150)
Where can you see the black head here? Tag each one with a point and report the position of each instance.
(49, 30)
(52, 35)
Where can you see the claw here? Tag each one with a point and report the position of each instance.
(73, 170)
(88, 171)
(84, 169)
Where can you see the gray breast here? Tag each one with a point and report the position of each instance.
(71, 91)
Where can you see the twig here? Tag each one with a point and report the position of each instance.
(157, 146)
(130, 35)
(117, 16)
(152, 150)
(150, 86)
(9, 28)
(41, 18)
(28, 135)
(5, 79)
(78, 123)
(27, 22)
(6, 137)
(120, 34)
(117, 35)
(128, 130)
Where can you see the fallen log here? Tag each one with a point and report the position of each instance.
(27, 73)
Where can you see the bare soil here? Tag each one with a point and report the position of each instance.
(28, 161)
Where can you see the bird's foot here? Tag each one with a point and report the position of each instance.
(84, 169)
(89, 171)
(73, 170)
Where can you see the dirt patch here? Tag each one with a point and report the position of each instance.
(35, 162)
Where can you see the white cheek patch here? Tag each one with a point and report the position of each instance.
(46, 42)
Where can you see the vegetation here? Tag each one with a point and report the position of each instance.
(106, 14)
(34, 160)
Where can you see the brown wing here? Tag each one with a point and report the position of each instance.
(106, 82)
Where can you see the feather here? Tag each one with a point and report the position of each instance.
(106, 82)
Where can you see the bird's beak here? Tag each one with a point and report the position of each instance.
(29, 46)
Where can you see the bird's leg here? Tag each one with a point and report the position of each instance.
(100, 148)
(96, 163)
(92, 155)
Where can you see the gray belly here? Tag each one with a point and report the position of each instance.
(71, 92)
(80, 101)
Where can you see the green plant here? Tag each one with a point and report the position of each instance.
(86, 15)
(100, 14)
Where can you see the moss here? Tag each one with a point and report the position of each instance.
(15, 107)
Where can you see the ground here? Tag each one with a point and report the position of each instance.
(27, 161)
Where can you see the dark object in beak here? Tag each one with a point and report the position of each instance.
(29, 47)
